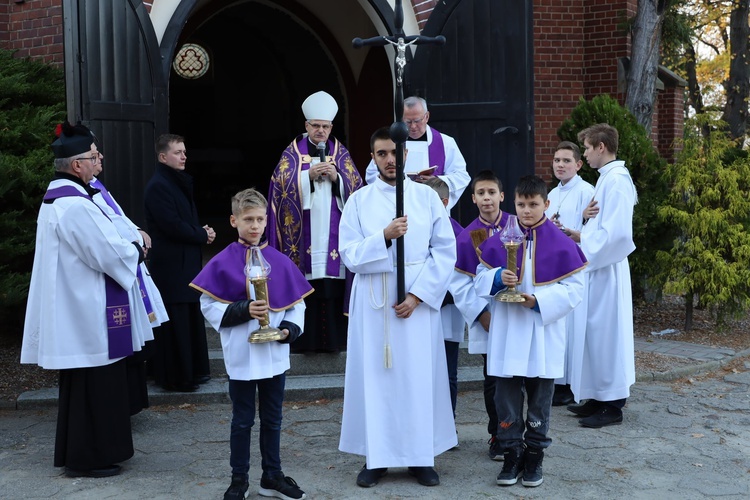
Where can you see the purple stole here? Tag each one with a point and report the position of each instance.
(333, 263)
(141, 284)
(555, 255)
(289, 225)
(118, 307)
(436, 153)
(466, 249)
(223, 277)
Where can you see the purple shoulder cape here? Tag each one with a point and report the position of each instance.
(555, 255)
(467, 259)
(223, 277)
(457, 227)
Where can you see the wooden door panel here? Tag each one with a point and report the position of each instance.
(480, 81)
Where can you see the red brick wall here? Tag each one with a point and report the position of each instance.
(33, 28)
(559, 72)
(671, 124)
(576, 49)
(422, 10)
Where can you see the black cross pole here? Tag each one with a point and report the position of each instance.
(399, 131)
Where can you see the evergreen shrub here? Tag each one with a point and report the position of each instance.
(32, 103)
(708, 203)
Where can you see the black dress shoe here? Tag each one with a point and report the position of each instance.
(367, 478)
(202, 379)
(426, 476)
(180, 387)
(586, 409)
(110, 470)
(563, 396)
(607, 415)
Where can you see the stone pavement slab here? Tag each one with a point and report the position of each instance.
(686, 441)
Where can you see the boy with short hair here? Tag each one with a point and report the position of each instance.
(566, 203)
(526, 346)
(605, 358)
(229, 304)
(487, 194)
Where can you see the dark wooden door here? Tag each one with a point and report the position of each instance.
(479, 87)
(116, 86)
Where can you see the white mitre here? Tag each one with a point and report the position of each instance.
(320, 106)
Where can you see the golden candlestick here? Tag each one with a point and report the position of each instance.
(257, 270)
(510, 294)
(511, 236)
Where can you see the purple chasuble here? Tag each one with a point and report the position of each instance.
(289, 225)
(118, 307)
(555, 256)
(436, 153)
(223, 277)
(141, 284)
(467, 257)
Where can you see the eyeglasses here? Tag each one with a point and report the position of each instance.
(324, 126)
(415, 122)
(94, 159)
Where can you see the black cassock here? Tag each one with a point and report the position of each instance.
(93, 419)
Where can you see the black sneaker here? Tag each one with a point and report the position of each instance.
(367, 478)
(495, 452)
(238, 490)
(283, 487)
(512, 468)
(532, 467)
(426, 476)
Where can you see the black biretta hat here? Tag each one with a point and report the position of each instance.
(72, 140)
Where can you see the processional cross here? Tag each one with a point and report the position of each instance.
(399, 131)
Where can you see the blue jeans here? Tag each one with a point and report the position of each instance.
(509, 399)
(270, 400)
(451, 355)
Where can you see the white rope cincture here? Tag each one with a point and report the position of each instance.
(387, 357)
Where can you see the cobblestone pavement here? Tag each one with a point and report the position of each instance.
(678, 440)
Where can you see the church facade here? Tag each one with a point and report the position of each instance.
(231, 77)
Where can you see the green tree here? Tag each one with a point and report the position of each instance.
(645, 166)
(32, 102)
(709, 205)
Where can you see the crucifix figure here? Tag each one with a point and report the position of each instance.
(399, 130)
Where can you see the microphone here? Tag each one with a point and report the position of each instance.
(322, 151)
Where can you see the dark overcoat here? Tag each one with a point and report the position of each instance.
(176, 234)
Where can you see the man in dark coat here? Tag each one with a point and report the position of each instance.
(180, 358)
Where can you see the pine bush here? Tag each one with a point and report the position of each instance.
(32, 102)
(709, 205)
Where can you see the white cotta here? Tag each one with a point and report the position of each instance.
(251, 361)
(522, 341)
(76, 245)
